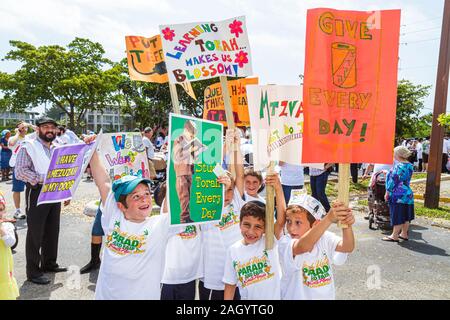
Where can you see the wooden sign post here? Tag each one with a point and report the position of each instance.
(174, 98)
(270, 209)
(344, 186)
(229, 115)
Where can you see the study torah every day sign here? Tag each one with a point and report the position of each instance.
(199, 51)
(195, 148)
(350, 85)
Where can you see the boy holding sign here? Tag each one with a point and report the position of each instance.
(308, 251)
(132, 263)
(255, 270)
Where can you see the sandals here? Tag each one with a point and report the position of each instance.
(389, 239)
(404, 239)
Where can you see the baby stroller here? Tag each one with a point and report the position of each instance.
(160, 164)
(378, 207)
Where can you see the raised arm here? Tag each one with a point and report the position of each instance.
(306, 243)
(13, 140)
(98, 170)
(233, 148)
(101, 178)
(274, 180)
(368, 169)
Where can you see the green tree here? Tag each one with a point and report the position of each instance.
(74, 79)
(444, 120)
(409, 123)
(150, 104)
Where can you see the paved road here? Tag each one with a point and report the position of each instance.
(418, 269)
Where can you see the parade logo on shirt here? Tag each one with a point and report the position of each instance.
(123, 244)
(189, 233)
(317, 274)
(253, 271)
(228, 219)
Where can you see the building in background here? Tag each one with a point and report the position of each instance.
(110, 120)
(9, 120)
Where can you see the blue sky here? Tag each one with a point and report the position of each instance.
(276, 29)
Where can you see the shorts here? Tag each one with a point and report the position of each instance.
(17, 185)
(97, 230)
(183, 291)
(209, 294)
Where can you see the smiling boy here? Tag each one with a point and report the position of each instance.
(308, 251)
(255, 270)
(132, 264)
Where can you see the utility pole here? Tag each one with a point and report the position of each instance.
(440, 106)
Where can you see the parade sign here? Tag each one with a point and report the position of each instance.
(276, 117)
(195, 148)
(124, 154)
(146, 59)
(66, 168)
(199, 51)
(214, 108)
(350, 85)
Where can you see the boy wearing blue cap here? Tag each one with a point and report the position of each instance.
(132, 264)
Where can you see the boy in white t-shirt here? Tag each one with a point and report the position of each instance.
(253, 181)
(255, 270)
(308, 251)
(219, 236)
(183, 263)
(133, 259)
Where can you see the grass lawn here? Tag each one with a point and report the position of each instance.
(420, 210)
(419, 175)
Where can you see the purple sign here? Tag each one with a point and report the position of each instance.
(66, 168)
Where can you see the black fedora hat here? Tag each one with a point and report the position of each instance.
(45, 120)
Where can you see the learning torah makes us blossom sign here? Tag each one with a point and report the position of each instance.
(350, 85)
(199, 51)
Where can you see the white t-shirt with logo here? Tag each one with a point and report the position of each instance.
(217, 238)
(183, 255)
(133, 258)
(309, 276)
(255, 270)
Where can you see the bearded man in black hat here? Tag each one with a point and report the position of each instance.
(32, 164)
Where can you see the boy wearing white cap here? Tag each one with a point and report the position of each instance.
(308, 251)
(133, 259)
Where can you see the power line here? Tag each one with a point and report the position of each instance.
(420, 21)
(409, 32)
(425, 40)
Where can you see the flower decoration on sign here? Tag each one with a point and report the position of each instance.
(168, 33)
(241, 58)
(235, 28)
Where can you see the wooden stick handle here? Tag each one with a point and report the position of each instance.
(344, 186)
(229, 115)
(174, 98)
(270, 209)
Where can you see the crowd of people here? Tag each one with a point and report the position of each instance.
(226, 259)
